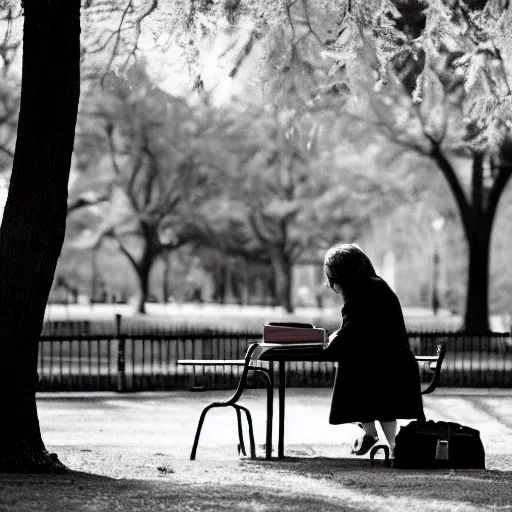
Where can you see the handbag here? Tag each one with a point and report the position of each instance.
(438, 445)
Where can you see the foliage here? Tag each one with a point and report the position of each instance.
(111, 31)
(10, 43)
(152, 156)
(397, 78)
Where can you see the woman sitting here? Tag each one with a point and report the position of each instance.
(377, 378)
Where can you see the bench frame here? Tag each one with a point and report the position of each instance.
(432, 363)
(232, 402)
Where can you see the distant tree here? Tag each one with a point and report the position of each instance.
(296, 194)
(437, 84)
(33, 225)
(159, 168)
(271, 188)
(239, 265)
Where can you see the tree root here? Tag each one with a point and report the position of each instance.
(28, 459)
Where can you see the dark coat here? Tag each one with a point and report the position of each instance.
(377, 376)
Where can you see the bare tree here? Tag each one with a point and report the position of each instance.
(161, 173)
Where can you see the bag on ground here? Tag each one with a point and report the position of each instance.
(438, 445)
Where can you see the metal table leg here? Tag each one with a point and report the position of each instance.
(270, 411)
(282, 398)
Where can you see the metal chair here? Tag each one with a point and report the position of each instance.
(232, 401)
(434, 363)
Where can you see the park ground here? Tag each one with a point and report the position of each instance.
(131, 452)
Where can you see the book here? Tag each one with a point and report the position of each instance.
(292, 333)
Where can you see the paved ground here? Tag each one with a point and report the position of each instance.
(131, 453)
(166, 422)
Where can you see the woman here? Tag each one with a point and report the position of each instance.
(377, 377)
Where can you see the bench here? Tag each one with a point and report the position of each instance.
(232, 401)
(432, 364)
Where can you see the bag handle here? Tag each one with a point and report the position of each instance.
(375, 462)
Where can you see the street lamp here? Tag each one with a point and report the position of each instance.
(437, 225)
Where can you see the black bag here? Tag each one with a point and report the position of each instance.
(438, 445)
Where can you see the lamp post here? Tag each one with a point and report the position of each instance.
(437, 225)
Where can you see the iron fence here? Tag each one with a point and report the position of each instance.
(81, 357)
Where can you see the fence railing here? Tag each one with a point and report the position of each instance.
(137, 363)
(133, 361)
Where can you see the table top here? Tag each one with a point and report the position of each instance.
(291, 352)
(305, 352)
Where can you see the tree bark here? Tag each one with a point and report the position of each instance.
(477, 218)
(143, 265)
(34, 222)
(479, 239)
(283, 277)
(143, 272)
(220, 283)
(477, 300)
(287, 288)
(166, 278)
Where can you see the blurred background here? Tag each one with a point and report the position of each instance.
(223, 146)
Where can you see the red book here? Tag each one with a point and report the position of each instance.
(290, 333)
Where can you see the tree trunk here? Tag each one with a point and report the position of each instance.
(477, 309)
(220, 283)
(166, 276)
(228, 283)
(287, 288)
(34, 222)
(143, 272)
(283, 278)
(478, 235)
(477, 219)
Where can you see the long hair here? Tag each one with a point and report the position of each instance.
(348, 264)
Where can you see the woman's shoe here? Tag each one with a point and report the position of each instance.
(364, 444)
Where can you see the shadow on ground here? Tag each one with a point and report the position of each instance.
(490, 488)
(77, 491)
(298, 484)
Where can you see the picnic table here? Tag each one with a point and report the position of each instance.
(281, 353)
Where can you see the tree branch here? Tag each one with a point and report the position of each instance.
(112, 149)
(83, 202)
(456, 188)
(8, 152)
(136, 167)
(500, 182)
(151, 175)
(295, 251)
(258, 226)
(244, 52)
(392, 136)
(123, 249)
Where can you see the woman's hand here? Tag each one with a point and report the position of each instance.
(331, 337)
